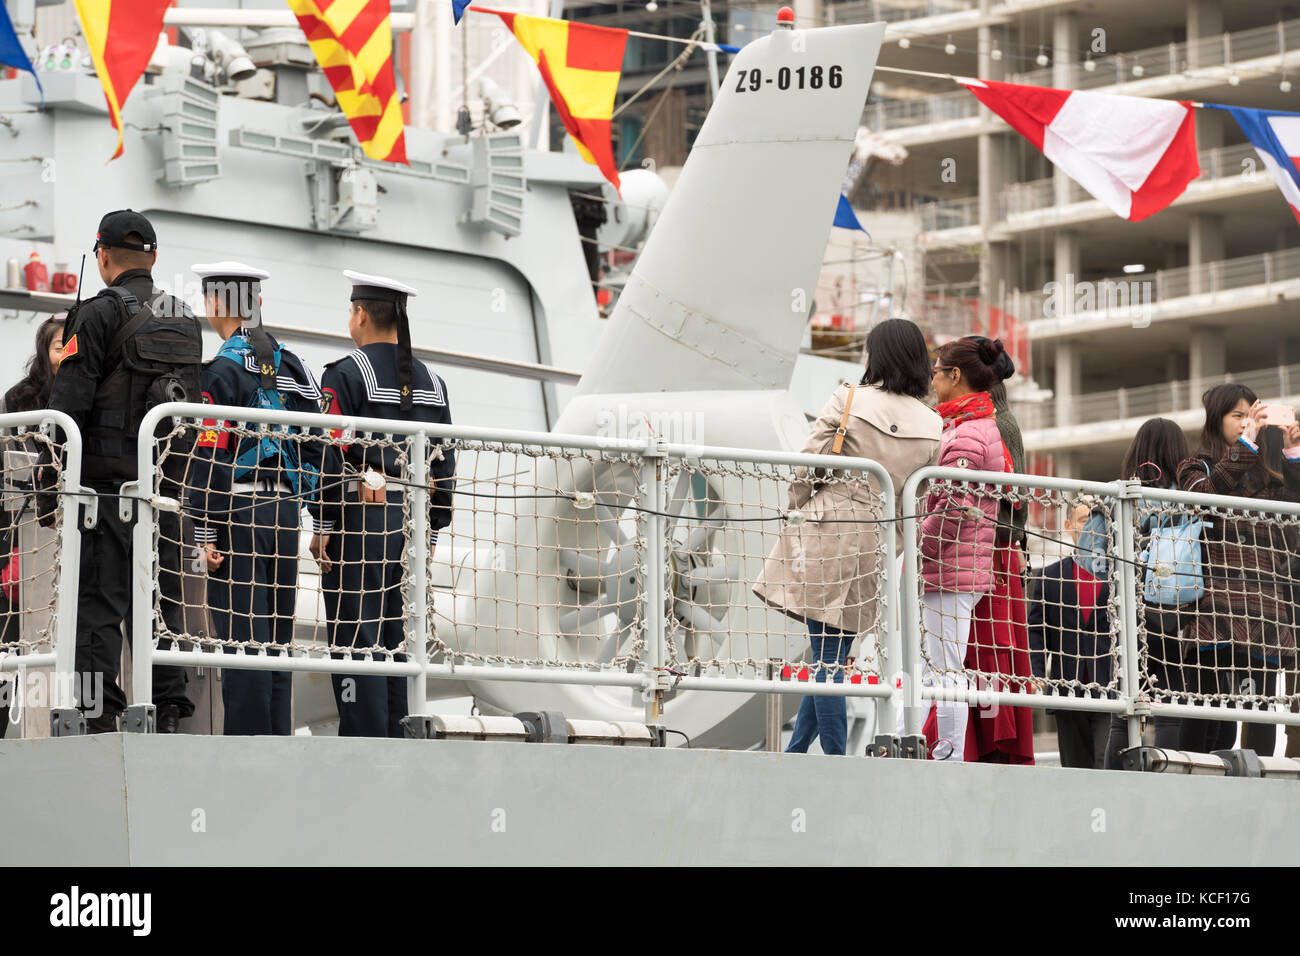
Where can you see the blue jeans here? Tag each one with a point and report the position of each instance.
(826, 717)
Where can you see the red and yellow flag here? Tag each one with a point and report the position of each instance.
(122, 35)
(353, 43)
(581, 65)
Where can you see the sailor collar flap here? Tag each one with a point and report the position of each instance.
(897, 416)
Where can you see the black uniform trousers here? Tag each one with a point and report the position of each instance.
(104, 602)
(1223, 670)
(363, 604)
(252, 597)
(1164, 664)
(1081, 738)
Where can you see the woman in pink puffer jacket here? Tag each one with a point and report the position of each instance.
(957, 547)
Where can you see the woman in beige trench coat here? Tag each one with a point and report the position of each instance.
(825, 571)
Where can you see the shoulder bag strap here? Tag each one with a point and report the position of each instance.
(138, 318)
(844, 422)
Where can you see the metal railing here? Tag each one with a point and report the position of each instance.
(1148, 401)
(1171, 59)
(1130, 296)
(950, 214)
(1223, 162)
(895, 114)
(43, 508)
(1239, 161)
(680, 567)
(1107, 72)
(562, 592)
(1226, 658)
(874, 11)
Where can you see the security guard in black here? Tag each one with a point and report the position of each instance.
(90, 388)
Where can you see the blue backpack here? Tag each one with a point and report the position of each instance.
(302, 476)
(1175, 574)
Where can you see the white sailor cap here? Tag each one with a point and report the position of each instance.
(228, 272)
(237, 284)
(377, 287)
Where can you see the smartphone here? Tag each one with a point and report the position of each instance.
(1280, 415)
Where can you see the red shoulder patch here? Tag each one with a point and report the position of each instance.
(70, 349)
(214, 434)
(329, 405)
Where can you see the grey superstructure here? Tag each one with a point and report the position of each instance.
(517, 293)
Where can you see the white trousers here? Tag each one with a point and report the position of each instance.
(945, 629)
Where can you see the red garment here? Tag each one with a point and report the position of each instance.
(969, 407)
(1086, 587)
(10, 577)
(999, 644)
(974, 405)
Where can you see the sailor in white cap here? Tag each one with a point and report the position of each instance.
(359, 537)
(245, 491)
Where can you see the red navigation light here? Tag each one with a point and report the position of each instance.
(785, 15)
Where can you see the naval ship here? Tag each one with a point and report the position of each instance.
(492, 234)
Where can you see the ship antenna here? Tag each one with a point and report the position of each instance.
(68, 322)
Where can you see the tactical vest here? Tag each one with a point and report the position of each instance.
(154, 358)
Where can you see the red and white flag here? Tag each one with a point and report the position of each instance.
(1133, 153)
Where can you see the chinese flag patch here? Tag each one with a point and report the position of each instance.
(214, 434)
(70, 348)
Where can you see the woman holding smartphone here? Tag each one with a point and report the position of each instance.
(1243, 628)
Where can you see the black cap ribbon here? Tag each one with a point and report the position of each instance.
(404, 359)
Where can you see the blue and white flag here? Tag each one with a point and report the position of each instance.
(1276, 138)
(714, 47)
(458, 8)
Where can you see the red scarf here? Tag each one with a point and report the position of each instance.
(1086, 587)
(968, 408)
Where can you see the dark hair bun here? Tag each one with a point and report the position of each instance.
(1004, 367)
(989, 350)
(993, 354)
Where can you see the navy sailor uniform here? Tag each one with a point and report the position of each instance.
(245, 495)
(363, 589)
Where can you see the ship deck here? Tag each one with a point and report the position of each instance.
(184, 800)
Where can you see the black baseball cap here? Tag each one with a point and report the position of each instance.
(117, 225)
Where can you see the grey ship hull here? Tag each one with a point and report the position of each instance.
(166, 801)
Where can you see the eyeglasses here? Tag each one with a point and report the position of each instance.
(944, 368)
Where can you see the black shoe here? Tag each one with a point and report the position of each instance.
(169, 719)
(103, 724)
